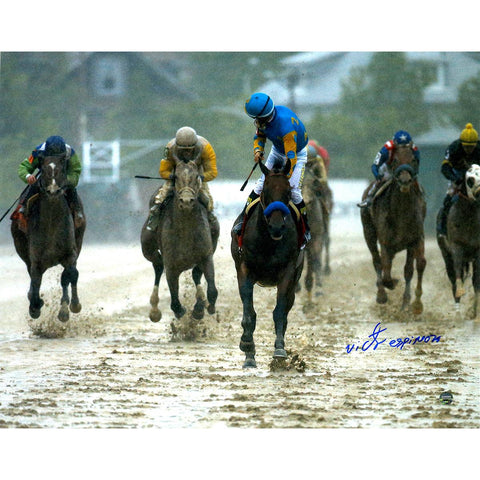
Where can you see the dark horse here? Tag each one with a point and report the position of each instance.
(318, 201)
(186, 238)
(395, 220)
(268, 253)
(462, 244)
(51, 237)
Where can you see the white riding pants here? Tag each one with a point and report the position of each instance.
(296, 180)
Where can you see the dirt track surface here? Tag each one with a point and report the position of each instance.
(109, 366)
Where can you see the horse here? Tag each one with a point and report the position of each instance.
(186, 238)
(268, 252)
(396, 221)
(462, 244)
(318, 201)
(52, 237)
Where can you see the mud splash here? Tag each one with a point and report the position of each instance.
(109, 366)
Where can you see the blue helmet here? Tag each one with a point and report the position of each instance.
(402, 138)
(55, 145)
(259, 105)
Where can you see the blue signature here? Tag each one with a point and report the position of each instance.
(395, 343)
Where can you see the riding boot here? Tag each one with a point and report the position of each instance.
(237, 229)
(154, 217)
(369, 199)
(307, 236)
(442, 216)
(74, 204)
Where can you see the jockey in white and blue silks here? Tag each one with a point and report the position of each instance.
(289, 137)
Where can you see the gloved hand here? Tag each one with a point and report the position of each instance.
(31, 179)
(258, 156)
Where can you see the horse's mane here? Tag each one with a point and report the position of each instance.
(278, 165)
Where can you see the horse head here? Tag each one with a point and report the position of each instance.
(275, 198)
(404, 167)
(188, 182)
(53, 179)
(472, 182)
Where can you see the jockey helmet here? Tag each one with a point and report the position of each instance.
(55, 145)
(311, 152)
(259, 105)
(469, 136)
(402, 138)
(186, 137)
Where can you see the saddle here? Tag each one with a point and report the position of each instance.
(299, 222)
(77, 221)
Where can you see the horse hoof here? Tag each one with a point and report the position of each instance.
(250, 363)
(63, 316)
(390, 284)
(180, 313)
(34, 312)
(75, 307)
(382, 298)
(211, 309)
(155, 316)
(417, 307)
(279, 353)
(198, 314)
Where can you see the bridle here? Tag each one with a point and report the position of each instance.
(47, 182)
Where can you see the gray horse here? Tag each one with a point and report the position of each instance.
(186, 238)
(462, 244)
(51, 237)
(319, 203)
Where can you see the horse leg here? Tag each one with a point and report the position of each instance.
(421, 263)
(317, 261)
(172, 280)
(309, 273)
(476, 287)
(249, 319)
(370, 235)
(69, 276)
(407, 274)
(285, 300)
(36, 303)
(326, 239)
(199, 307)
(155, 314)
(212, 292)
(75, 305)
(379, 263)
(458, 265)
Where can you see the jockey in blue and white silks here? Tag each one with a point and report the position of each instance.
(289, 137)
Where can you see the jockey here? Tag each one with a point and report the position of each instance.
(289, 137)
(322, 152)
(460, 155)
(186, 146)
(383, 160)
(317, 166)
(54, 145)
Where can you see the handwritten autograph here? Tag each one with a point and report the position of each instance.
(395, 343)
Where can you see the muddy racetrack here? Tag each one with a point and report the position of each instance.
(109, 366)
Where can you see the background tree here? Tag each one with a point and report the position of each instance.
(376, 100)
(467, 108)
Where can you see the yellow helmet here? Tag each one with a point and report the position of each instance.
(469, 135)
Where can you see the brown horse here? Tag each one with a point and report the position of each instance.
(395, 220)
(51, 237)
(268, 253)
(462, 244)
(185, 239)
(319, 203)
